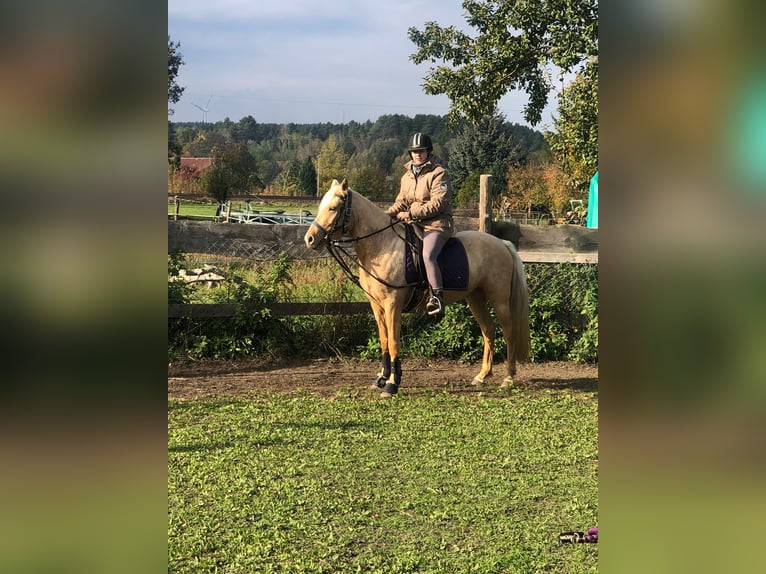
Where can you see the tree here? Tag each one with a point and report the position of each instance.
(232, 172)
(246, 130)
(487, 147)
(332, 163)
(286, 183)
(175, 61)
(307, 177)
(526, 189)
(575, 145)
(516, 45)
(204, 143)
(370, 181)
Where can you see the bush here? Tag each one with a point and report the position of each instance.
(563, 320)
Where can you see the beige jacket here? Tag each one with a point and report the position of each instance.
(427, 197)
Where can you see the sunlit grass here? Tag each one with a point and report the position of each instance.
(351, 484)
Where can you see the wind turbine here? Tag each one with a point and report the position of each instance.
(204, 110)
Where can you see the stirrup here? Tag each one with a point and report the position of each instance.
(434, 306)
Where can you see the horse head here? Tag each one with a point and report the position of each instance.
(332, 216)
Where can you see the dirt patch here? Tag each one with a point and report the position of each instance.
(328, 378)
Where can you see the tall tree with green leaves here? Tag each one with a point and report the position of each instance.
(370, 181)
(233, 172)
(575, 143)
(175, 61)
(517, 43)
(332, 163)
(485, 147)
(307, 177)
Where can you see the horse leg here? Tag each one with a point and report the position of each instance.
(393, 320)
(503, 312)
(385, 370)
(477, 302)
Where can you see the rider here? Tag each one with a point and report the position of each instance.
(425, 199)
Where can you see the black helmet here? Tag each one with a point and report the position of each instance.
(420, 141)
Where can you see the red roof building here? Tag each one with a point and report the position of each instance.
(195, 165)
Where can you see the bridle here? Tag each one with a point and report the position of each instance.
(338, 251)
(344, 215)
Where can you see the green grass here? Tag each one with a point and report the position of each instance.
(437, 484)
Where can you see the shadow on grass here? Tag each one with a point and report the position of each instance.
(211, 447)
(582, 385)
(492, 388)
(324, 425)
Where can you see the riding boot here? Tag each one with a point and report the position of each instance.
(435, 305)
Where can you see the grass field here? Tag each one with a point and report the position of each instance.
(441, 483)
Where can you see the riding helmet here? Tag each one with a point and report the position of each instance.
(420, 141)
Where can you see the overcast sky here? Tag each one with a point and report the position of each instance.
(309, 61)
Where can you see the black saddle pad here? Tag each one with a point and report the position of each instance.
(453, 263)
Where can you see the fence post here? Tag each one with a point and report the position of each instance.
(228, 211)
(176, 208)
(485, 203)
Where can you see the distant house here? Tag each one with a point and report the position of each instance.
(194, 166)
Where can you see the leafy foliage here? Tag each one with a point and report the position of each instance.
(563, 318)
(331, 163)
(175, 61)
(178, 291)
(233, 171)
(488, 147)
(292, 158)
(575, 142)
(307, 177)
(370, 181)
(467, 194)
(249, 332)
(514, 45)
(563, 312)
(563, 322)
(535, 186)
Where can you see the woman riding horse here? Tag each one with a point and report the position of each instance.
(425, 198)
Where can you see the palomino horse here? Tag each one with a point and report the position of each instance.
(495, 275)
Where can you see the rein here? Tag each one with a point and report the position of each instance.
(338, 250)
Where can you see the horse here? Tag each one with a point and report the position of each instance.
(495, 274)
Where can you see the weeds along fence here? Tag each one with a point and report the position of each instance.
(278, 298)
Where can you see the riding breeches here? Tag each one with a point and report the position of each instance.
(433, 242)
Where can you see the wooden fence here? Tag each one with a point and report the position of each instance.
(263, 242)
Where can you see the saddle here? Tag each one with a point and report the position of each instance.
(452, 261)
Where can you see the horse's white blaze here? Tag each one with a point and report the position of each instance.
(327, 198)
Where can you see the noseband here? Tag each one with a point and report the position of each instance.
(345, 215)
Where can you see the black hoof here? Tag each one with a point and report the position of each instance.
(379, 383)
(389, 391)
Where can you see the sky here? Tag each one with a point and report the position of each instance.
(310, 61)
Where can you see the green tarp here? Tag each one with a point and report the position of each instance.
(591, 219)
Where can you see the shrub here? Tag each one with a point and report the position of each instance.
(563, 318)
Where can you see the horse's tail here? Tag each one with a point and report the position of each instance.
(519, 308)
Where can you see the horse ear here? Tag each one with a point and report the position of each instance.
(344, 184)
(334, 183)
